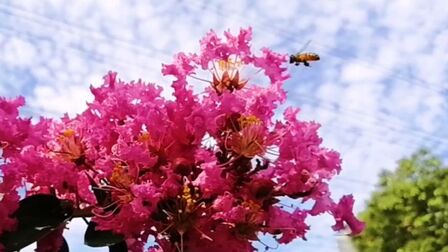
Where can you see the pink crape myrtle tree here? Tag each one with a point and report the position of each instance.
(201, 171)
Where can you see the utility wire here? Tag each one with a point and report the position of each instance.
(100, 60)
(269, 27)
(69, 28)
(115, 59)
(126, 43)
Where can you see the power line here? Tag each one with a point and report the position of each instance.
(330, 106)
(269, 27)
(101, 59)
(119, 62)
(90, 53)
(93, 54)
(128, 43)
(124, 43)
(375, 135)
(73, 29)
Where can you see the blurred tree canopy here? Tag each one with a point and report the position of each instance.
(409, 210)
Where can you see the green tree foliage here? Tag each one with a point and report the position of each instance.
(409, 210)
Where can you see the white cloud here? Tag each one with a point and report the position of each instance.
(17, 52)
(356, 73)
(57, 101)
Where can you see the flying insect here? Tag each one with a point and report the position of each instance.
(303, 57)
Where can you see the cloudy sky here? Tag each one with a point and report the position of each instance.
(380, 89)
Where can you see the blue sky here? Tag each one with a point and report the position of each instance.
(379, 91)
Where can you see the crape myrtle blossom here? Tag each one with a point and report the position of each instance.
(199, 172)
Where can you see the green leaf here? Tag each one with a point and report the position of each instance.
(37, 216)
(119, 247)
(100, 238)
(408, 211)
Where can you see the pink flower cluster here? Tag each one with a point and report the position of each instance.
(199, 172)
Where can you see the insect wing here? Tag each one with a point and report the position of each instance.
(304, 46)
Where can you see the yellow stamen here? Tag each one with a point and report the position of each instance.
(120, 177)
(251, 205)
(68, 133)
(248, 142)
(71, 148)
(144, 137)
(229, 64)
(227, 78)
(246, 121)
(187, 197)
